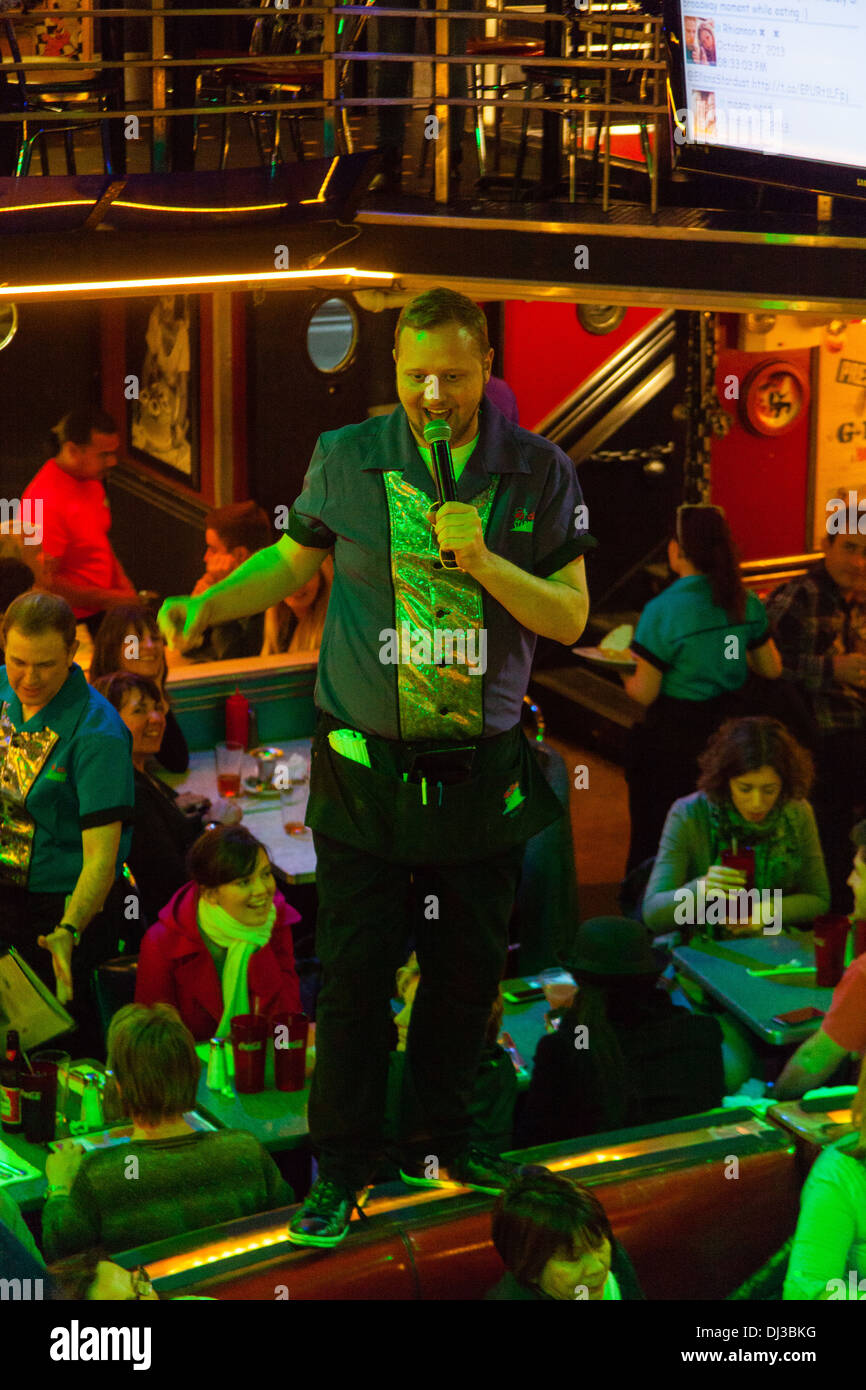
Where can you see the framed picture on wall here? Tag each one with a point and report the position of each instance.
(44, 34)
(162, 390)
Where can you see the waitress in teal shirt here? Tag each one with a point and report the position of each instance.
(695, 645)
(66, 797)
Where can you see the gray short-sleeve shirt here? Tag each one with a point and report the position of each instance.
(536, 520)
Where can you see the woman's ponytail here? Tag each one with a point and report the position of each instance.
(705, 540)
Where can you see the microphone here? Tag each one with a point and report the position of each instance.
(438, 435)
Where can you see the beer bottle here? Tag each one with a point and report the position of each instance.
(10, 1086)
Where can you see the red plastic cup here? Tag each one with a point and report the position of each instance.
(290, 1051)
(39, 1102)
(859, 938)
(744, 860)
(831, 938)
(249, 1042)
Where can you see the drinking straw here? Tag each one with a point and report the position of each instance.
(736, 851)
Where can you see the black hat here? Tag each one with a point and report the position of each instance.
(614, 946)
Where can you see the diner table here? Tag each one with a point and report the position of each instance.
(725, 970)
(293, 854)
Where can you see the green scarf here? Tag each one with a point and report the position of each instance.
(774, 840)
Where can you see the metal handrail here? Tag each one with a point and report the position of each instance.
(651, 69)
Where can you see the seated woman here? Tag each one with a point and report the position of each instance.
(162, 832)
(695, 647)
(828, 1256)
(624, 1054)
(555, 1240)
(224, 940)
(185, 1179)
(495, 1092)
(296, 624)
(129, 639)
(751, 794)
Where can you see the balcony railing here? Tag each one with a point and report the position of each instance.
(605, 66)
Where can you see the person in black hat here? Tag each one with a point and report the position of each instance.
(624, 1054)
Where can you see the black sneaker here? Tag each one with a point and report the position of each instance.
(474, 1168)
(324, 1218)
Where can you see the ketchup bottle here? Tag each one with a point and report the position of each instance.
(237, 719)
(10, 1086)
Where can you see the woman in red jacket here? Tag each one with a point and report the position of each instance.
(223, 944)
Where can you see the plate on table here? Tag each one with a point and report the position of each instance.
(253, 787)
(599, 656)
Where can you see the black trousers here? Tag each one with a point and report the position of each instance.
(369, 909)
(839, 801)
(25, 916)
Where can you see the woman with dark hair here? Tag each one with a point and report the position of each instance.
(752, 792)
(184, 1178)
(162, 832)
(623, 1054)
(694, 646)
(224, 940)
(129, 639)
(555, 1240)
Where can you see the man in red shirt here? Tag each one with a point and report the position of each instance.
(844, 1027)
(80, 564)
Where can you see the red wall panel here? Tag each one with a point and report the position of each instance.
(548, 354)
(762, 483)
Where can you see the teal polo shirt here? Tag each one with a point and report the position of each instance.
(87, 780)
(685, 636)
(536, 520)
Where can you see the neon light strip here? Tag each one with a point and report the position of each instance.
(172, 281)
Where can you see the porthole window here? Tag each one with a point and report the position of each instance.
(332, 335)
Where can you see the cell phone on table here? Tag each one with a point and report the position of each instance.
(795, 1016)
(522, 994)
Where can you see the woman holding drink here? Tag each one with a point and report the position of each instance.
(224, 940)
(748, 826)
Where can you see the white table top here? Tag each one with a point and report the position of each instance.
(294, 854)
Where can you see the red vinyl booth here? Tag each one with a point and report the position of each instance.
(699, 1204)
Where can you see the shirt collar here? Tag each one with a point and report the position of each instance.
(497, 451)
(60, 714)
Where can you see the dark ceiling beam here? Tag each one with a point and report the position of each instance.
(667, 266)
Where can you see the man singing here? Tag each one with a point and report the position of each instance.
(423, 788)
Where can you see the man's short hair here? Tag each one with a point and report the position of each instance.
(80, 424)
(434, 308)
(542, 1216)
(240, 524)
(37, 612)
(153, 1057)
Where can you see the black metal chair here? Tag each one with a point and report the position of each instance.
(101, 89)
(278, 32)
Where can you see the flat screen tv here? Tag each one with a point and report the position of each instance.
(771, 92)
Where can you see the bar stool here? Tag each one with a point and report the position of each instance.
(100, 89)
